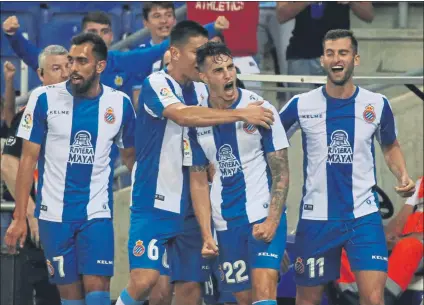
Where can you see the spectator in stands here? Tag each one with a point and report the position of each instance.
(159, 18)
(312, 21)
(241, 37)
(272, 33)
(53, 68)
(404, 235)
(120, 65)
(7, 111)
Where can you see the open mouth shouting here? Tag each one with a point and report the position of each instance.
(337, 69)
(229, 87)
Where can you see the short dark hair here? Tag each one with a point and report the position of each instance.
(341, 33)
(96, 17)
(221, 36)
(211, 48)
(99, 46)
(185, 30)
(148, 6)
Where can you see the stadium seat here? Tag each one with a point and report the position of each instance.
(73, 12)
(59, 31)
(136, 13)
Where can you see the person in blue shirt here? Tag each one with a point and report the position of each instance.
(121, 66)
(159, 18)
(69, 129)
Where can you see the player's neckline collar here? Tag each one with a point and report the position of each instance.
(233, 105)
(328, 97)
(68, 88)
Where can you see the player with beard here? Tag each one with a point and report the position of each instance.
(339, 208)
(69, 128)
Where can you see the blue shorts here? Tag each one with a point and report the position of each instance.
(239, 252)
(318, 247)
(212, 288)
(176, 253)
(185, 257)
(77, 248)
(147, 244)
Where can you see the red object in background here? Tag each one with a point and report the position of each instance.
(243, 16)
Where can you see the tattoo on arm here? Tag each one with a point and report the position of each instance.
(279, 166)
(198, 168)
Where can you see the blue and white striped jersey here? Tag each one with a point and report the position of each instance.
(160, 183)
(241, 186)
(76, 135)
(338, 150)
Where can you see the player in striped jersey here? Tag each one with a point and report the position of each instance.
(160, 193)
(249, 187)
(70, 127)
(339, 208)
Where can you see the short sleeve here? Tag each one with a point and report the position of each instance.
(289, 116)
(193, 152)
(275, 138)
(157, 94)
(13, 144)
(386, 133)
(33, 125)
(126, 135)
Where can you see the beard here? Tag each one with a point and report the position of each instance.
(347, 75)
(82, 88)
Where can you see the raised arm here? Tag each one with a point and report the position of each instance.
(9, 92)
(288, 10)
(22, 47)
(364, 10)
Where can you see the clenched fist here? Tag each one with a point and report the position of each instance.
(9, 70)
(11, 25)
(221, 23)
